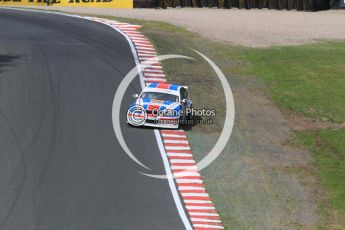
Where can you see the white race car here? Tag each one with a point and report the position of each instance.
(160, 105)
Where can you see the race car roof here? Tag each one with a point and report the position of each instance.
(163, 87)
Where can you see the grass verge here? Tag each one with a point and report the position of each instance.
(328, 148)
(307, 79)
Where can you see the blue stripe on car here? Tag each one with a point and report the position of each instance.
(147, 100)
(153, 85)
(173, 87)
(168, 102)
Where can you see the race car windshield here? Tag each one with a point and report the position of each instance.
(159, 96)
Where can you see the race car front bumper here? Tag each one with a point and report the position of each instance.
(166, 123)
(162, 122)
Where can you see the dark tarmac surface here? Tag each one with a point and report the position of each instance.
(61, 166)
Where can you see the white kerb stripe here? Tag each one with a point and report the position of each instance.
(176, 141)
(182, 188)
(145, 48)
(177, 147)
(150, 61)
(198, 201)
(203, 214)
(129, 25)
(154, 74)
(192, 181)
(147, 52)
(147, 66)
(118, 23)
(182, 174)
(148, 57)
(140, 46)
(154, 71)
(124, 29)
(154, 79)
(208, 226)
(134, 35)
(174, 135)
(180, 154)
(205, 220)
(182, 161)
(204, 194)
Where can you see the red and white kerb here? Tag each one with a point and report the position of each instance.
(196, 200)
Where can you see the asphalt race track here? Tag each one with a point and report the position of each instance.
(61, 167)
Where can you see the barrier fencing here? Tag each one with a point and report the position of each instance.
(306, 5)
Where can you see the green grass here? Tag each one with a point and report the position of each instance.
(328, 148)
(307, 79)
(310, 80)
